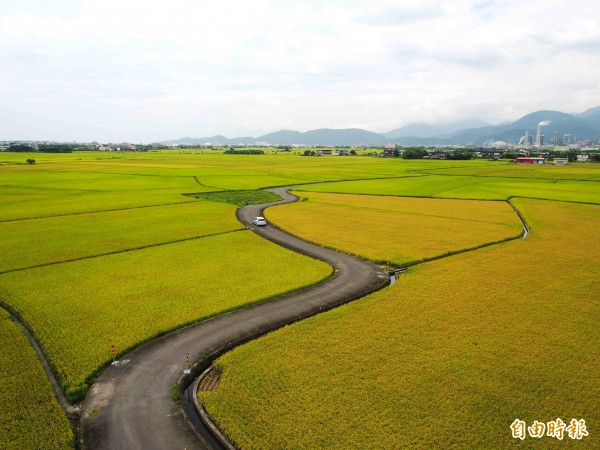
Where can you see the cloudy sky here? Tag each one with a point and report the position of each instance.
(149, 70)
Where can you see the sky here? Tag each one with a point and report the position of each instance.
(151, 70)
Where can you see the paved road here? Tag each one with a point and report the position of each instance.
(130, 405)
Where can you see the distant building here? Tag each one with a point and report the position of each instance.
(391, 151)
(557, 140)
(583, 158)
(439, 154)
(325, 152)
(343, 152)
(539, 137)
(492, 153)
(527, 139)
(529, 160)
(561, 161)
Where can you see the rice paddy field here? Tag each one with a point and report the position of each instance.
(470, 187)
(396, 230)
(78, 309)
(35, 242)
(42, 424)
(586, 171)
(448, 357)
(104, 248)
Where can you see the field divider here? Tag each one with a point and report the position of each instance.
(116, 252)
(526, 227)
(71, 411)
(96, 212)
(37, 186)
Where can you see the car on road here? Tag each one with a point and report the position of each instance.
(259, 221)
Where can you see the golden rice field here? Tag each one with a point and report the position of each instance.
(55, 239)
(78, 309)
(448, 357)
(42, 423)
(396, 230)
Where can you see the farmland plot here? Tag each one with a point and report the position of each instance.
(396, 230)
(469, 187)
(448, 357)
(41, 423)
(34, 242)
(77, 310)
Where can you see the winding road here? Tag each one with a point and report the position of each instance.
(131, 406)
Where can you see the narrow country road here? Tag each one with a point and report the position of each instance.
(131, 407)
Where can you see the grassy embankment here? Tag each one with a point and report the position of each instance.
(41, 424)
(239, 198)
(447, 357)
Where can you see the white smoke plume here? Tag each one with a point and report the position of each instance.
(544, 123)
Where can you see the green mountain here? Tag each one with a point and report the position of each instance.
(326, 136)
(577, 127)
(580, 126)
(426, 130)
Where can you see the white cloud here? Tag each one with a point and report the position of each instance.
(155, 68)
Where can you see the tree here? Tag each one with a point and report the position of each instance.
(353, 152)
(461, 155)
(414, 153)
(31, 161)
(21, 148)
(244, 151)
(572, 155)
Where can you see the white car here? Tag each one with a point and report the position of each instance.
(259, 221)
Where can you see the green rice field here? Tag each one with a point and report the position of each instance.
(470, 187)
(57, 239)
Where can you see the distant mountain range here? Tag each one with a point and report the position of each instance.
(425, 130)
(470, 132)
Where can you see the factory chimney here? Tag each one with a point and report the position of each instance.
(539, 137)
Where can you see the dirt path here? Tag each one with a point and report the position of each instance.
(131, 405)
